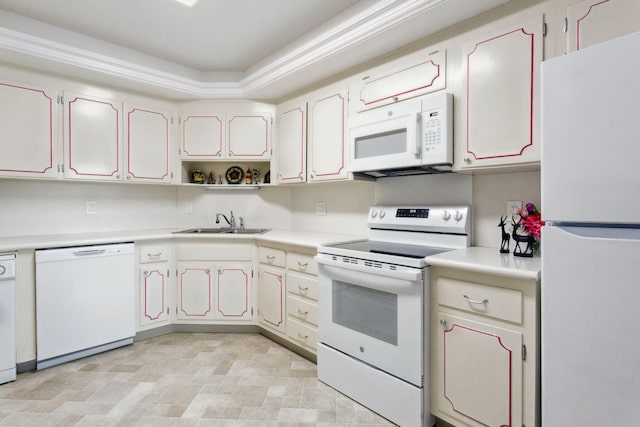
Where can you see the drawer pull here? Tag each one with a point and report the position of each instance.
(302, 337)
(475, 301)
(302, 264)
(270, 258)
(150, 255)
(303, 289)
(302, 313)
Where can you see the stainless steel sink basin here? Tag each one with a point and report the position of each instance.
(223, 230)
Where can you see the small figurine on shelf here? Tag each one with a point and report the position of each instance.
(211, 179)
(248, 178)
(197, 177)
(219, 179)
(256, 176)
(504, 245)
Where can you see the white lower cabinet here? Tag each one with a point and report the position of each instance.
(153, 286)
(484, 352)
(215, 282)
(288, 294)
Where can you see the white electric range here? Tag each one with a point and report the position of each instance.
(374, 309)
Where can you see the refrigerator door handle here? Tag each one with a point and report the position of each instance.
(610, 233)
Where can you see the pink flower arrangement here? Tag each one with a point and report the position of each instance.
(531, 220)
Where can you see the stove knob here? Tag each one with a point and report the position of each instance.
(373, 213)
(382, 214)
(458, 216)
(3, 269)
(446, 215)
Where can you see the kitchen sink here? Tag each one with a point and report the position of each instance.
(223, 230)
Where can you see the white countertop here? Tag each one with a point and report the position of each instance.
(490, 261)
(308, 239)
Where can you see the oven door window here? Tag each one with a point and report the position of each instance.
(368, 311)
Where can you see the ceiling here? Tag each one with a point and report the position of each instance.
(259, 49)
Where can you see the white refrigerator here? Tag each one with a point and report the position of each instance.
(590, 309)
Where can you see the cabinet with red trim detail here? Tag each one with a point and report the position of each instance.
(154, 298)
(498, 113)
(412, 75)
(28, 119)
(272, 289)
(590, 22)
(484, 352)
(312, 144)
(225, 131)
(215, 282)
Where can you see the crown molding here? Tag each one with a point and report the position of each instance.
(381, 16)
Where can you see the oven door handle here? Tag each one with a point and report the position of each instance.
(338, 268)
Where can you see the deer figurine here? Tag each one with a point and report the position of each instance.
(528, 239)
(504, 245)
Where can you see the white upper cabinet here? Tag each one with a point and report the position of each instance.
(147, 144)
(291, 152)
(327, 143)
(92, 138)
(413, 75)
(217, 131)
(249, 136)
(594, 21)
(28, 119)
(499, 122)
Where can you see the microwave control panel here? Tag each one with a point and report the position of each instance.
(437, 130)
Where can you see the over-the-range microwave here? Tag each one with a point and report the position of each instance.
(408, 138)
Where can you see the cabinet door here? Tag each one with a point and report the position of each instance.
(594, 21)
(154, 307)
(327, 137)
(195, 290)
(202, 135)
(28, 119)
(271, 298)
(233, 292)
(92, 138)
(147, 142)
(479, 372)
(292, 143)
(413, 75)
(501, 123)
(249, 136)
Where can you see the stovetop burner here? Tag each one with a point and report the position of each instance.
(387, 248)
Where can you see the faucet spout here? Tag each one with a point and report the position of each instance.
(231, 220)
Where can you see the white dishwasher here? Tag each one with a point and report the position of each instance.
(7, 318)
(85, 301)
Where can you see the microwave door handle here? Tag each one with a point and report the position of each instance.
(418, 121)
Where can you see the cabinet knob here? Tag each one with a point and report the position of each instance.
(467, 160)
(443, 323)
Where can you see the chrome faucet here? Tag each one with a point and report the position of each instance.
(231, 220)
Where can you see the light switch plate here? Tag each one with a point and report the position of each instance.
(91, 207)
(188, 207)
(321, 208)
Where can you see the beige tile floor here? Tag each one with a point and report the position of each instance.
(182, 379)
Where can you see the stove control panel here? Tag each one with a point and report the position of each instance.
(447, 219)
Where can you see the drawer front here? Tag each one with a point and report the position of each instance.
(304, 263)
(215, 252)
(302, 310)
(500, 303)
(154, 253)
(271, 256)
(301, 285)
(302, 334)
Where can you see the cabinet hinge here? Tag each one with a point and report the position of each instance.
(252, 277)
(60, 99)
(544, 29)
(565, 25)
(171, 175)
(171, 119)
(179, 120)
(252, 311)
(524, 352)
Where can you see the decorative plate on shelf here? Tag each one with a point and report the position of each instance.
(234, 175)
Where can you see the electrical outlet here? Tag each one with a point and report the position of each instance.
(188, 207)
(91, 207)
(512, 205)
(321, 208)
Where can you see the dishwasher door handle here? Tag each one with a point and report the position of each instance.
(90, 252)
